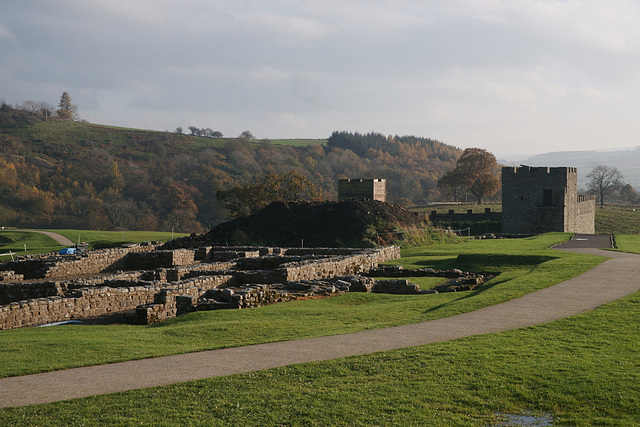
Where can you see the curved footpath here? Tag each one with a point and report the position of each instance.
(612, 279)
(55, 236)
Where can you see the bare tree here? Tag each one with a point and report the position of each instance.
(604, 181)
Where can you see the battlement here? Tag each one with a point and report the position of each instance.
(531, 170)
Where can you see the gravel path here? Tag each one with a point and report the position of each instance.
(57, 237)
(613, 279)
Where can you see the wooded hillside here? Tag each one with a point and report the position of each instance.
(67, 174)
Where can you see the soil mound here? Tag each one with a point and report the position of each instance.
(353, 223)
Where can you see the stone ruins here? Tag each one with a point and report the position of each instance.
(145, 284)
(160, 284)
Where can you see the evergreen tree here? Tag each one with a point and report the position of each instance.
(66, 110)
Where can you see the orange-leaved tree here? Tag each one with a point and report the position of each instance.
(475, 172)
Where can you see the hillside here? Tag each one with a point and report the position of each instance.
(66, 174)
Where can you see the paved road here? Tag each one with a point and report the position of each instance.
(613, 279)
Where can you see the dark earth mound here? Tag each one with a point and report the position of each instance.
(353, 223)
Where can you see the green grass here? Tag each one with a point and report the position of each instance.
(618, 219)
(628, 243)
(116, 238)
(16, 241)
(32, 350)
(38, 243)
(584, 370)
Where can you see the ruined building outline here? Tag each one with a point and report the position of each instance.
(542, 199)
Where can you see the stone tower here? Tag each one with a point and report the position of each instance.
(541, 199)
(374, 189)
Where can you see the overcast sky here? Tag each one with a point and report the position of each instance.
(510, 76)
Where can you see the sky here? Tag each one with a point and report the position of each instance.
(513, 77)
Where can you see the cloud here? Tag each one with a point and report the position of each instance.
(5, 33)
(463, 71)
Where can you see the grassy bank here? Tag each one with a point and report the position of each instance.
(522, 265)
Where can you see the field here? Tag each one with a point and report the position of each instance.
(464, 382)
(577, 371)
(24, 242)
(622, 219)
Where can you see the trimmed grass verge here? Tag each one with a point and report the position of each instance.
(583, 370)
(524, 266)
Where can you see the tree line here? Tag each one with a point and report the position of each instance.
(41, 109)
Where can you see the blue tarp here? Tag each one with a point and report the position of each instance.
(67, 251)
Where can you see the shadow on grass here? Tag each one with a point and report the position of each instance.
(486, 263)
(489, 264)
(469, 294)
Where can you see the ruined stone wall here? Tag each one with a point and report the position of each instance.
(167, 302)
(339, 265)
(161, 259)
(96, 301)
(93, 262)
(82, 303)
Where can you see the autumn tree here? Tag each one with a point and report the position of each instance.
(66, 110)
(246, 200)
(475, 172)
(604, 181)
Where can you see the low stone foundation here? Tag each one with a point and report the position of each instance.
(168, 276)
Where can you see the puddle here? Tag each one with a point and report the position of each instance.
(526, 420)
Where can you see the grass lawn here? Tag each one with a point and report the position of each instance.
(524, 265)
(38, 243)
(116, 238)
(584, 370)
(16, 242)
(628, 243)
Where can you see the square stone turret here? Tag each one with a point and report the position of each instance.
(360, 189)
(542, 199)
